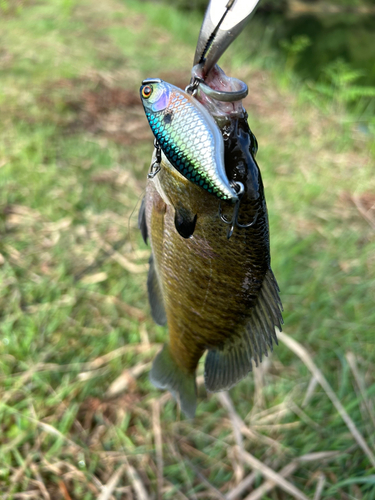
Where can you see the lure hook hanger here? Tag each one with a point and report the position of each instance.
(192, 88)
(156, 164)
(240, 189)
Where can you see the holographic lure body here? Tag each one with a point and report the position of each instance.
(188, 136)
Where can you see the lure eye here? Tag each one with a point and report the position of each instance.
(147, 91)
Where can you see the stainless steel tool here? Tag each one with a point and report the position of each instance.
(223, 22)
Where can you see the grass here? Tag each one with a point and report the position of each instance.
(79, 418)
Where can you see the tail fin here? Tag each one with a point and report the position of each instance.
(166, 374)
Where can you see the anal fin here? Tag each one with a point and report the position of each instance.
(227, 365)
(155, 296)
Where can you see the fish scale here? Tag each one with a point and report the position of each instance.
(189, 138)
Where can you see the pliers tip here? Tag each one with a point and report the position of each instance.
(223, 22)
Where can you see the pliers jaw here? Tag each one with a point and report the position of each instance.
(223, 22)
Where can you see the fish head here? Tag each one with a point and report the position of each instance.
(155, 94)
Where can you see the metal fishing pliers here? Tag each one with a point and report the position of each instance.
(223, 22)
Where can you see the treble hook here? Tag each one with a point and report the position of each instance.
(240, 189)
(156, 164)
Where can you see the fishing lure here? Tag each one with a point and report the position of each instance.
(188, 136)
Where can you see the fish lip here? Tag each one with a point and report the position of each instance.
(225, 96)
(151, 80)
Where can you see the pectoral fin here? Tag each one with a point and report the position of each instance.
(155, 296)
(225, 366)
(184, 222)
(142, 220)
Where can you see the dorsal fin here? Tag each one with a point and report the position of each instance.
(225, 366)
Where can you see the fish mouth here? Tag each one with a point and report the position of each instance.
(220, 94)
(225, 96)
(218, 89)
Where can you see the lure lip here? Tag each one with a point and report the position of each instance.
(223, 22)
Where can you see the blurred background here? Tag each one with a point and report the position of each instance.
(79, 418)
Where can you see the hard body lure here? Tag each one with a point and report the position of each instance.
(188, 136)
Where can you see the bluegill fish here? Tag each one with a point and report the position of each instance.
(188, 136)
(215, 294)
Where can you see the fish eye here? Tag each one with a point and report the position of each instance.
(147, 91)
